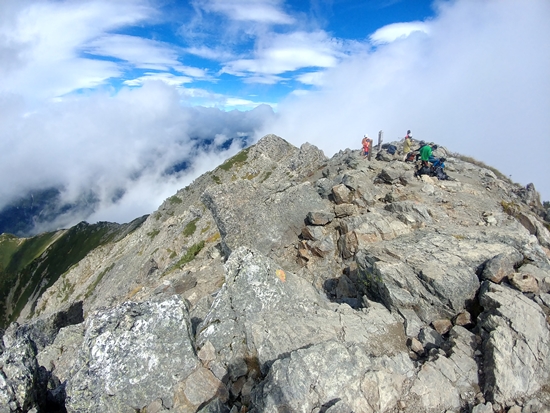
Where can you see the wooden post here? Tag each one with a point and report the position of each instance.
(380, 140)
(370, 149)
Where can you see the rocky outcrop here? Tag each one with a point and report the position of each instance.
(131, 356)
(286, 281)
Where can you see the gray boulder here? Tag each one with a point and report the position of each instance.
(501, 266)
(21, 384)
(263, 313)
(276, 224)
(432, 273)
(337, 373)
(516, 344)
(131, 356)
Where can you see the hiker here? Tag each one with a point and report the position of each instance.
(438, 169)
(407, 145)
(367, 143)
(425, 152)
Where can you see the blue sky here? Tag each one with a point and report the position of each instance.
(108, 95)
(229, 54)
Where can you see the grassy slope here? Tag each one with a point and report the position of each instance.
(29, 266)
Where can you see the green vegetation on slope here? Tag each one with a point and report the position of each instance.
(238, 159)
(34, 265)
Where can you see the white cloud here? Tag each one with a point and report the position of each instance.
(165, 77)
(140, 52)
(45, 39)
(262, 11)
(113, 145)
(217, 54)
(280, 53)
(392, 32)
(193, 72)
(312, 78)
(476, 81)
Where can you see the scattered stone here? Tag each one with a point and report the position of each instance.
(524, 282)
(483, 408)
(319, 217)
(345, 210)
(416, 345)
(390, 175)
(323, 247)
(464, 318)
(430, 338)
(542, 276)
(341, 194)
(501, 266)
(442, 326)
(313, 232)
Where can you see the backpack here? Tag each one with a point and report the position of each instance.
(423, 170)
(439, 173)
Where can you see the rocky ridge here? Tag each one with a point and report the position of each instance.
(286, 281)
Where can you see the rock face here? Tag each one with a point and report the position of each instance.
(284, 281)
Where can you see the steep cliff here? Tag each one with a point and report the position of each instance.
(286, 281)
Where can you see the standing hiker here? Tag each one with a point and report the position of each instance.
(407, 145)
(366, 142)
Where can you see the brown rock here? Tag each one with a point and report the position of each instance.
(442, 326)
(526, 283)
(313, 232)
(341, 194)
(463, 319)
(200, 387)
(416, 346)
(345, 210)
(319, 217)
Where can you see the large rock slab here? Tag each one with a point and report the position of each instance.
(263, 313)
(20, 387)
(516, 343)
(432, 273)
(331, 372)
(131, 356)
(273, 224)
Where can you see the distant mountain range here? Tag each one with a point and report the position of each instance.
(39, 208)
(43, 210)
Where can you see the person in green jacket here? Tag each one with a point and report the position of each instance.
(426, 154)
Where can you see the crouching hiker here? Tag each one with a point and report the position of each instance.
(426, 157)
(426, 154)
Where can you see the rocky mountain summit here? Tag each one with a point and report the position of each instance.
(284, 281)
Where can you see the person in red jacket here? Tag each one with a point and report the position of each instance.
(367, 143)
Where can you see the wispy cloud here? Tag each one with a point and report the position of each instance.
(262, 11)
(139, 52)
(392, 32)
(46, 38)
(278, 54)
